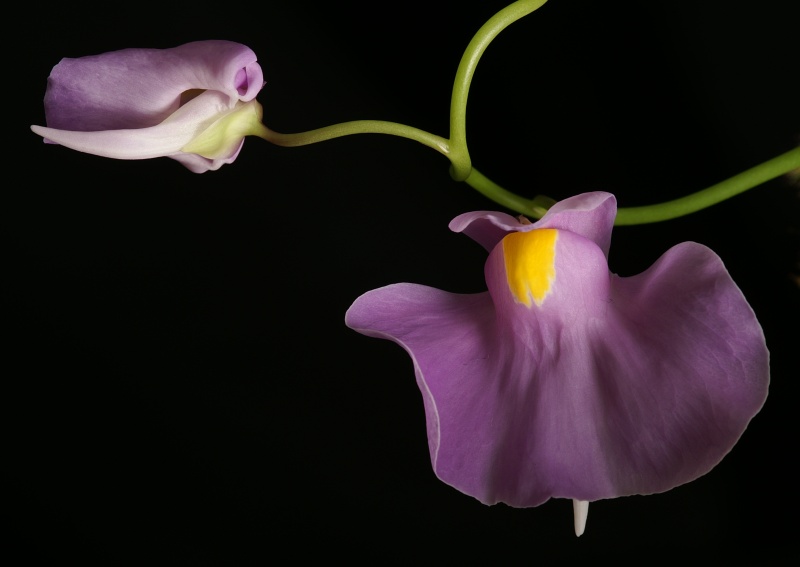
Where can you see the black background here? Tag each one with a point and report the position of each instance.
(180, 385)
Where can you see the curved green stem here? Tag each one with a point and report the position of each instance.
(535, 208)
(459, 157)
(356, 127)
(717, 193)
(455, 147)
(700, 200)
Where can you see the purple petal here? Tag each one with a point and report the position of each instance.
(146, 103)
(487, 228)
(589, 214)
(692, 367)
(456, 327)
(164, 140)
(199, 164)
(139, 88)
(585, 385)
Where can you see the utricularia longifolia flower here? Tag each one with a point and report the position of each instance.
(564, 380)
(194, 103)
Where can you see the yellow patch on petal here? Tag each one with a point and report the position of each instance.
(530, 259)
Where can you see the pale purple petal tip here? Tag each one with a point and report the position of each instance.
(486, 228)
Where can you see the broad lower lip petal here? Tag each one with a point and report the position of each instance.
(598, 386)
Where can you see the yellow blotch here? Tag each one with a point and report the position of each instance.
(530, 263)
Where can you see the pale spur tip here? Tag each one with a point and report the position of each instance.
(580, 511)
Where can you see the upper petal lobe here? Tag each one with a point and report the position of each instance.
(138, 88)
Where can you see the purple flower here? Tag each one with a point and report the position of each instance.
(564, 380)
(193, 103)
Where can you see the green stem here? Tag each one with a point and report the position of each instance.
(535, 208)
(717, 193)
(459, 157)
(455, 147)
(356, 127)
